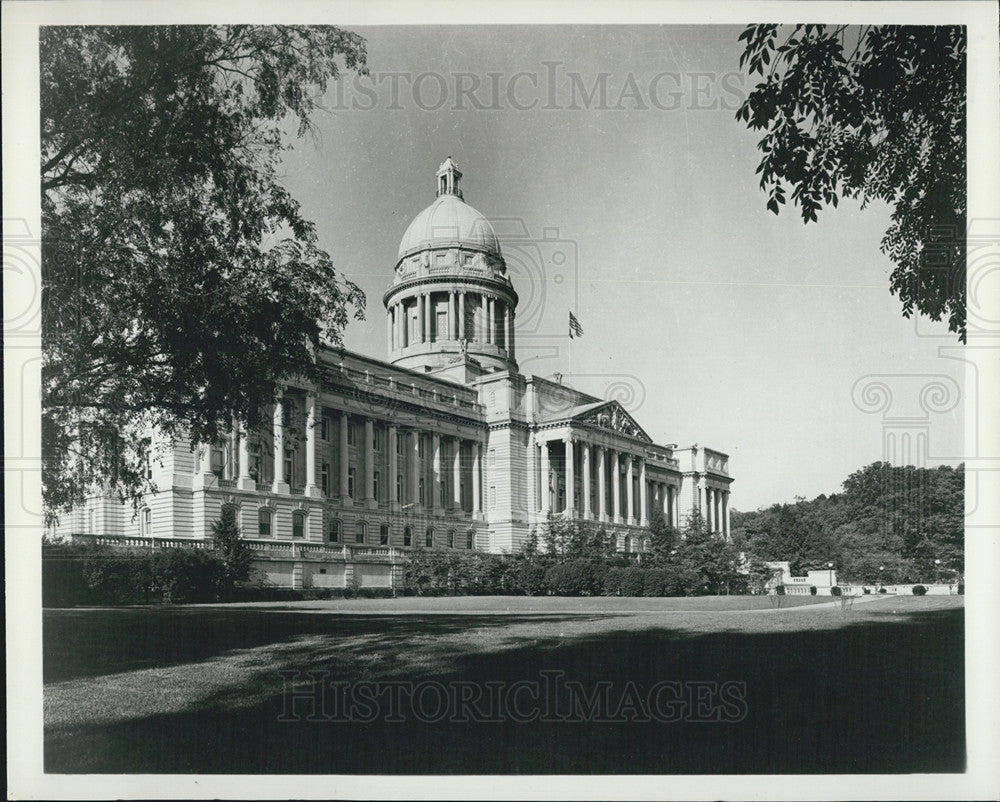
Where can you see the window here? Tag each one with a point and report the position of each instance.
(429, 537)
(362, 530)
(493, 497)
(147, 522)
(383, 535)
(287, 412)
(493, 457)
(90, 522)
(420, 446)
(467, 259)
(470, 539)
(289, 466)
(298, 524)
(218, 461)
(264, 522)
(351, 476)
(407, 535)
(442, 500)
(399, 487)
(376, 438)
(324, 428)
(149, 465)
(333, 531)
(256, 462)
(376, 483)
(463, 495)
(492, 398)
(324, 478)
(399, 445)
(451, 538)
(421, 489)
(352, 433)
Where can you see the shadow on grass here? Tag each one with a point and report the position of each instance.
(882, 694)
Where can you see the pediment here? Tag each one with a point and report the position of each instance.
(611, 415)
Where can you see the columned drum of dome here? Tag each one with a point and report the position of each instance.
(450, 299)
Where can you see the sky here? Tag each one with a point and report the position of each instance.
(636, 207)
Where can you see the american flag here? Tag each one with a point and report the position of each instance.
(575, 329)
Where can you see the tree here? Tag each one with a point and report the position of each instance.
(232, 550)
(181, 283)
(875, 113)
(662, 538)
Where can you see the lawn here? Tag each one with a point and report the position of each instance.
(745, 688)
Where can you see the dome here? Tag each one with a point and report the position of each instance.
(449, 222)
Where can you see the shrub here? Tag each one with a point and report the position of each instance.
(919, 590)
(961, 589)
(835, 591)
(779, 590)
(881, 590)
(867, 591)
(812, 590)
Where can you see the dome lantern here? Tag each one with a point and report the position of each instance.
(449, 179)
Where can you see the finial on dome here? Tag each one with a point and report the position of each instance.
(449, 179)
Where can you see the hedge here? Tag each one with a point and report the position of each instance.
(919, 590)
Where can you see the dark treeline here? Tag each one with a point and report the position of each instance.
(901, 520)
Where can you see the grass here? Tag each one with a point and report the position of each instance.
(878, 688)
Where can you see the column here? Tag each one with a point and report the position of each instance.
(456, 479)
(420, 318)
(602, 489)
(393, 468)
(311, 488)
(629, 489)
(643, 494)
(461, 315)
(482, 320)
(404, 328)
(545, 479)
(587, 512)
(725, 514)
(675, 493)
(477, 504)
(342, 425)
(415, 468)
(510, 332)
(280, 485)
(429, 318)
(490, 331)
(388, 329)
(708, 508)
(436, 485)
(717, 511)
(370, 499)
(570, 478)
(616, 485)
(244, 481)
(453, 315)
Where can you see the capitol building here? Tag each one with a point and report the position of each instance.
(443, 443)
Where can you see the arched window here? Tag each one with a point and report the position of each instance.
(451, 538)
(407, 535)
(470, 539)
(298, 524)
(429, 539)
(362, 530)
(264, 516)
(146, 522)
(333, 531)
(383, 535)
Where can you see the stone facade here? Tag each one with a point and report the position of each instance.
(444, 443)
